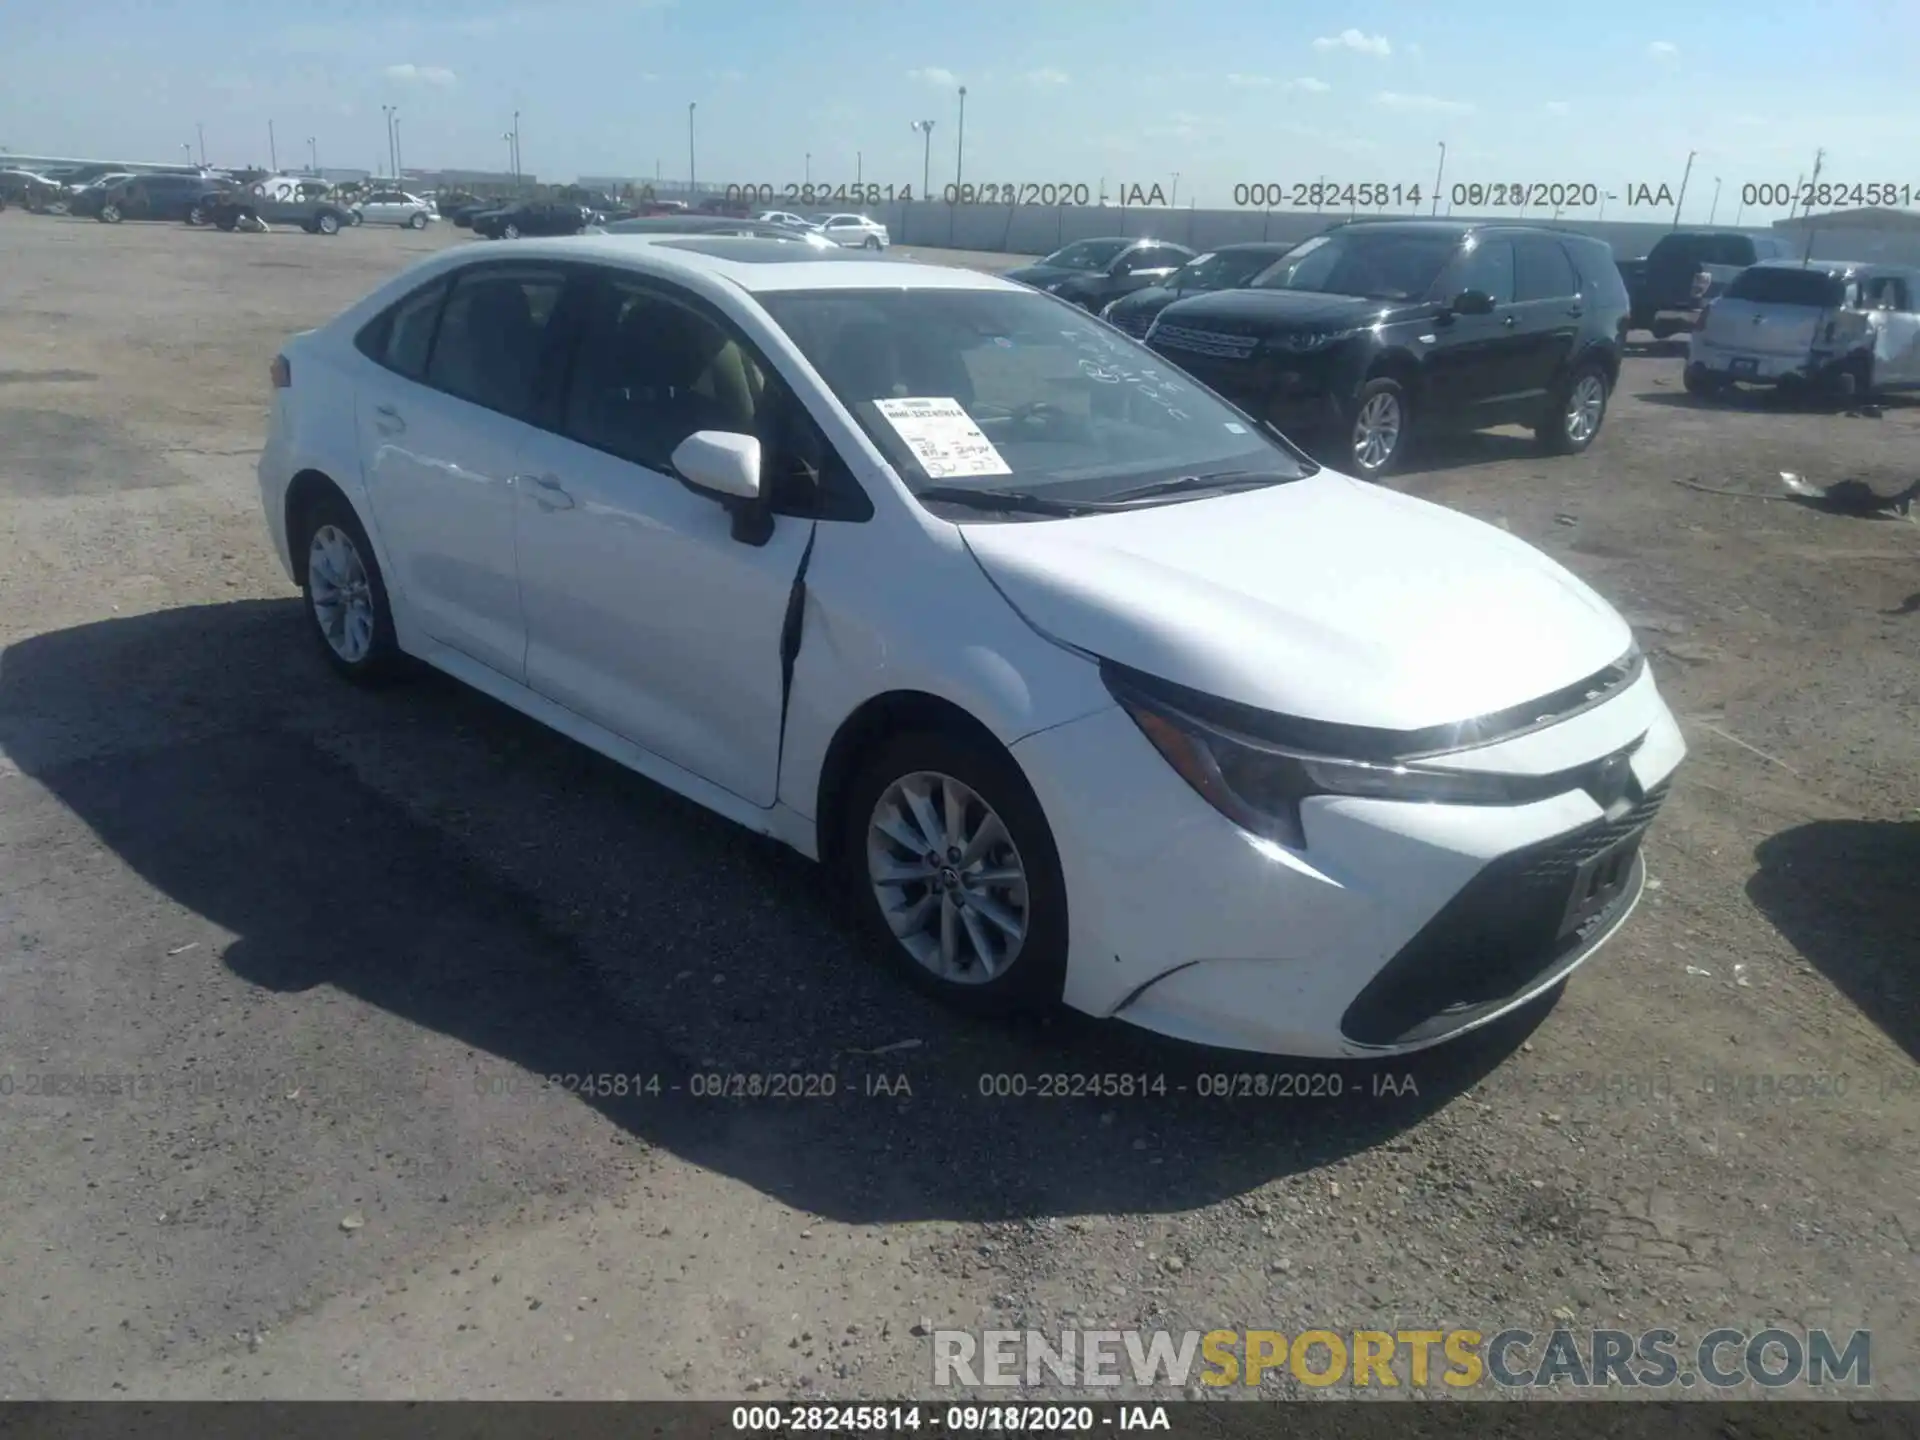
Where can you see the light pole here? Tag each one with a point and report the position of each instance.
(1685, 175)
(925, 127)
(516, 147)
(1437, 177)
(512, 164)
(273, 155)
(1819, 159)
(1741, 210)
(859, 166)
(1174, 199)
(313, 156)
(690, 168)
(399, 166)
(1606, 195)
(187, 150)
(1716, 200)
(201, 131)
(808, 176)
(960, 148)
(386, 112)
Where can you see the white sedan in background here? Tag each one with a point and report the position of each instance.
(787, 218)
(1088, 687)
(396, 207)
(854, 232)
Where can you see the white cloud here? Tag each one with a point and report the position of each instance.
(1249, 82)
(411, 74)
(1047, 76)
(1351, 39)
(1665, 51)
(1559, 107)
(1309, 85)
(1428, 104)
(934, 75)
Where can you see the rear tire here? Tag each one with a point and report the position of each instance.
(984, 932)
(110, 215)
(1701, 384)
(346, 597)
(418, 222)
(327, 223)
(1579, 408)
(196, 215)
(510, 232)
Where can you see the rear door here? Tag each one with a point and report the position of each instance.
(1549, 307)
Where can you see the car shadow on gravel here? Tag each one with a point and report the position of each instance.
(440, 857)
(1846, 895)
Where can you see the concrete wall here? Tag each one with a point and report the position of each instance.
(1033, 230)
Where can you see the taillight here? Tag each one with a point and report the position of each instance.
(1705, 311)
(282, 373)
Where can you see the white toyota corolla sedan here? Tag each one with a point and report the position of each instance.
(1090, 687)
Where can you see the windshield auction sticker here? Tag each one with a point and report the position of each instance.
(942, 437)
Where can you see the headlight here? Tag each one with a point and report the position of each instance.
(1308, 340)
(1260, 786)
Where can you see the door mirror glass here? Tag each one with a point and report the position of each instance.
(1473, 302)
(721, 463)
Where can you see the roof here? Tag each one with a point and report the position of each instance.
(1242, 246)
(751, 264)
(1837, 267)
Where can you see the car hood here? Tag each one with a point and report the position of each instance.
(1326, 599)
(1253, 312)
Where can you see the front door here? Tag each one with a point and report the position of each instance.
(1471, 367)
(1550, 308)
(440, 453)
(643, 613)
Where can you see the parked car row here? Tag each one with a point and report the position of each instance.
(1377, 333)
(217, 199)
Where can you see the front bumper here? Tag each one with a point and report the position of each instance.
(1400, 926)
(1303, 394)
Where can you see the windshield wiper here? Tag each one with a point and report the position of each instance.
(1011, 500)
(1219, 480)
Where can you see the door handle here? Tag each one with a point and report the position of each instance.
(1509, 321)
(1576, 311)
(548, 493)
(388, 421)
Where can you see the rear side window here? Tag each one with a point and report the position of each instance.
(1541, 271)
(402, 336)
(488, 345)
(1782, 285)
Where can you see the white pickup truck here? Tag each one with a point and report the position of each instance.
(1828, 325)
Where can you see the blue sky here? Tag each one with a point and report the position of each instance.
(1612, 92)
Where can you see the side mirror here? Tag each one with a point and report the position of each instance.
(726, 466)
(1472, 302)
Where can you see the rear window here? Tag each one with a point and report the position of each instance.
(1775, 285)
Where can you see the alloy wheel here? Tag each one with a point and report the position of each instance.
(1376, 432)
(342, 593)
(1584, 407)
(948, 878)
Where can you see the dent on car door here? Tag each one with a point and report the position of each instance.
(644, 613)
(442, 420)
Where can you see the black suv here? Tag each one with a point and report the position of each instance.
(534, 217)
(159, 197)
(1380, 331)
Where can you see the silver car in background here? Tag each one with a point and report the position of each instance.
(853, 232)
(1835, 326)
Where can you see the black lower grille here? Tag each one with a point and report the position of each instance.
(1494, 939)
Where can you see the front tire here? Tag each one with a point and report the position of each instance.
(346, 597)
(1574, 418)
(952, 868)
(110, 215)
(196, 215)
(328, 224)
(1377, 433)
(418, 222)
(510, 232)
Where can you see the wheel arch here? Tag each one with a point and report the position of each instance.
(1399, 365)
(305, 490)
(871, 724)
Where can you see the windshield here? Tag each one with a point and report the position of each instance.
(1377, 265)
(1782, 285)
(994, 390)
(1221, 270)
(1086, 255)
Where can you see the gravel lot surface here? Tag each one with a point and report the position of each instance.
(329, 942)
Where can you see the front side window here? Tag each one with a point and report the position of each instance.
(1488, 267)
(651, 370)
(1017, 392)
(487, 348)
